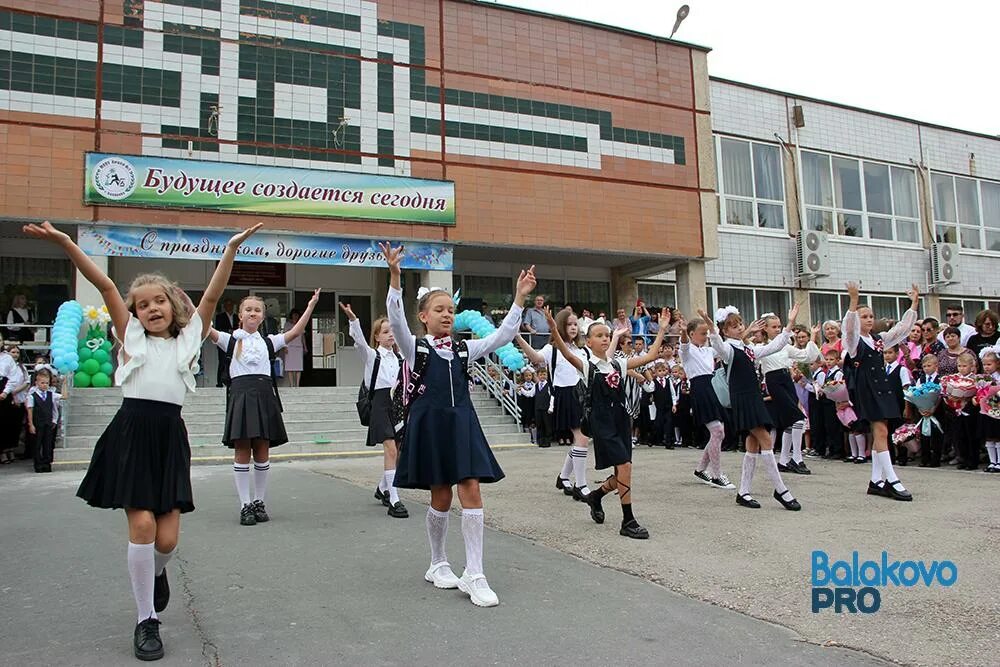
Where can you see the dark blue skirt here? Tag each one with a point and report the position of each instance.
(705, 402)
(567, 412)
(253, 412)
(443, 446)
(784, 404)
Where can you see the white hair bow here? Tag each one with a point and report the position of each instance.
(722, 313)
(995, 349)
(767, 315)
(424, 291)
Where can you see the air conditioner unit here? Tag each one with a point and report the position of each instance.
(812, 253)
(944, 263)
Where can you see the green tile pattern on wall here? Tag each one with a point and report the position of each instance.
(208, 100)
(267, 61)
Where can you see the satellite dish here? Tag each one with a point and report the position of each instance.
(682, 14)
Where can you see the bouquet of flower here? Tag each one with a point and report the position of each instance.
(989, 401)
(958, 386)
(925, 397)
(836, 391)
(909, 436)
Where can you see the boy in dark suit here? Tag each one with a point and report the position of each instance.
(543, 418)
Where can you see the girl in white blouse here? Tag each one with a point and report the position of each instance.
(142, 461)
(381, 425)
(253, 412)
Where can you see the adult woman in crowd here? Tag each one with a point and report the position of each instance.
(911, 349)
(295, 351)
(13, 390)
(953, 348)
(19, 313)
(929, 329)
(987, 332)
(831, 337)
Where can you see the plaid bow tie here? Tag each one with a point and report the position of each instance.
(442, 343)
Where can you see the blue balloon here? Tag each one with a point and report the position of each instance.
(73, 364)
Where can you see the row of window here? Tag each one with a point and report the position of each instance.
(852, 197)
(498, 292)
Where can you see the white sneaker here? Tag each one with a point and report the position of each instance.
(722, 482)
(475, 586)
(441, 576)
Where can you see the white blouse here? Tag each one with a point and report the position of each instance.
(619, 365)
(388, 368)
(724, 348)
(252, 358)
(478, 347)
(565, 373)
(158, 369)
(786, 356)
(697, 359)
(894, 336)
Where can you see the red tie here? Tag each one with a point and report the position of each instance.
(442, 343)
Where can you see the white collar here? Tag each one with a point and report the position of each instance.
(243, 334)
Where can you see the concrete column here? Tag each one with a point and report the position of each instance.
(801, 295)
(85, 293)
(691, 288)
(624, 293)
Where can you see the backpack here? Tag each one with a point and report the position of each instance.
(228, 359)
(365, 393)
(720, 383)
(414, 387)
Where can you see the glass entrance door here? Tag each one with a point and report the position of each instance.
(348, 363)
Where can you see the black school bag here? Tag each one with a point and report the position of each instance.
(409, 391)
(365, 393)
(271, 355)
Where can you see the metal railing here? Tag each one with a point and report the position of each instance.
(480, 371)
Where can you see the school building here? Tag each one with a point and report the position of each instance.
(484, 138)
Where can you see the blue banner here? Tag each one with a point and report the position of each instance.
(209, 244)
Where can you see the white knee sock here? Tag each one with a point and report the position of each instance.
(472, 532)
(141, 564)
(885, 465)
(786, 447)
(567, 469)
(856, 447)
(382, 484)
(437, 534)
(771, 468)
(677, 434)
(746, 477)
(241, 473)
(798, 432)
(579, 455)
(162, 559)
(993, 449)
(260, 474)
(387, 478)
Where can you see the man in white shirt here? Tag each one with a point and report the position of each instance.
(955, 317)
(584, 321)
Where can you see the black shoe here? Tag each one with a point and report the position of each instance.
(668, 445)
(560, 485)
(596, 510)
(703, 476)
(259, 512)
(247, 517)
(161, 592)
(398, 511)
(746, 500)
(877, 489)
(634, 530)
(544, 444)
(801, 469)
(859, 459)
(579, 495)
(792, 504)
(896, 491)
(146, 640)
(380, 495)
(789, 467)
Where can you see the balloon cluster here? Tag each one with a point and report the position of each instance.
(473, 320)
(65, 330)
(94, 351)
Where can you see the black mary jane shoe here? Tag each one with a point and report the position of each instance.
(791, 505)
(146, 640)
(161, 592)
(398, 511)
(877, 489)
(579, 495)
(561, 486)
(896, 491)
(746, 500)
(596, 510)
(633, 530)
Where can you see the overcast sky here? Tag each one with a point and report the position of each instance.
(937, 62)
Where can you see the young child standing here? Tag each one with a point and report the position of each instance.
(609, 421)
(543, 418)
(869, 385)
(142, 461)
(963, 420)
(526, 402)
(443, 443)
(664, 404)
(43, 417)
(253, 411)
(383, 369)
(989, 427)
(749, 412)
(899, 379)
(931, 446)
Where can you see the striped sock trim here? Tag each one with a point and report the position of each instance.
(256, 466)
(239, 468)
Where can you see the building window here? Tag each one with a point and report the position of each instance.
(860, 198)
(751, 184)
(496, 291)
(658, 295)
(966, 211)
(554, 292)
(970, 307)
(595, 296)
(752, 303)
